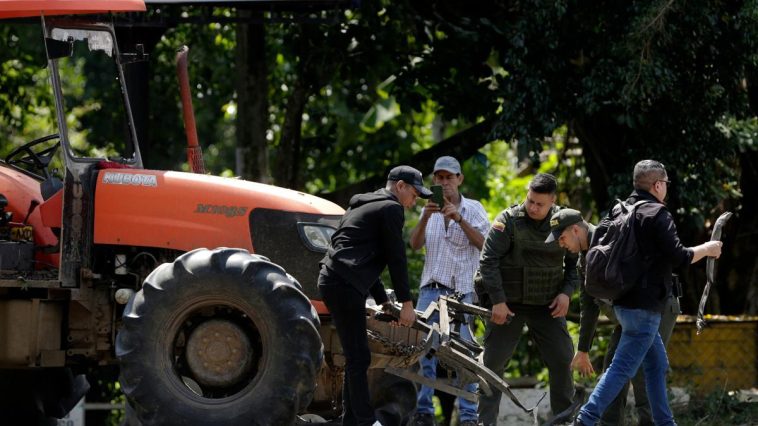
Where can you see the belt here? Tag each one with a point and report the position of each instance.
(435, 284)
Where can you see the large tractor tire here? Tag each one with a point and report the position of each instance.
(39, 396)
(393, 398)
(219, 337)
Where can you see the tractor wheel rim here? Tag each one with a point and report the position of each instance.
(219, 353)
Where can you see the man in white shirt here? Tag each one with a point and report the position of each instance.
(453, 234)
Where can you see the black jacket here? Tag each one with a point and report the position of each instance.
(370, 237)
(658, 240)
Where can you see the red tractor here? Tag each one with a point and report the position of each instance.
(160, 272)
(201, 289)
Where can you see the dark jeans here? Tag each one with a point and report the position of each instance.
(347, 307)
(555, 346)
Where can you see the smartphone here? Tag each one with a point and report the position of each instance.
(437, 197)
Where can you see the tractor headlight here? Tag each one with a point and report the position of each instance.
(316, 236)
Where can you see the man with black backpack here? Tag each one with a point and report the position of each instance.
(576, 235)
(528, 283)
(639, 309)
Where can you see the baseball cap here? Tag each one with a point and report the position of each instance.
(448, 164)
(561, 220)
(410, 176)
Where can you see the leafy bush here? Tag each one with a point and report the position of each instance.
(718, 407)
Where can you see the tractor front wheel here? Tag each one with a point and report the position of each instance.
(219, 337)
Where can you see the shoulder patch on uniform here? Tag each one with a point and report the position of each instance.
(498, 226)
(520, 214)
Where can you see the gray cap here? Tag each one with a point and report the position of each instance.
(447, 163)
(561, 220)
(410, 176)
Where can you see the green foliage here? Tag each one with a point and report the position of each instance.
(105, 388)
(743, 132)
(506, 187)
(356, 125)
(25, 101)
(632, 80)
(211, 75)
(718, 407)
(116, 416)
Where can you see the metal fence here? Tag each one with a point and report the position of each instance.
(722, 357)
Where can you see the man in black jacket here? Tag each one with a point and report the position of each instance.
(573, 233)
(639, 310)
(369, 238)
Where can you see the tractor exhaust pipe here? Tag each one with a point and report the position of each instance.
(194, 151)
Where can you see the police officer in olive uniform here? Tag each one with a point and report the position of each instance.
(528, 283)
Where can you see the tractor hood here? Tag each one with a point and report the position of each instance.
(26, 8)
(184, 211)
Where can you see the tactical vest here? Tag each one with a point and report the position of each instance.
(532, 271)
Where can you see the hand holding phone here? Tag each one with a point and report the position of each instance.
(437, 197)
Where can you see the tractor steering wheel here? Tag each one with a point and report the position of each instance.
(35, 163)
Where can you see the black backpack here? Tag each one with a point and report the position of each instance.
(614, 263)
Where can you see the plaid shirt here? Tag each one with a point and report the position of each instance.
(451, 259)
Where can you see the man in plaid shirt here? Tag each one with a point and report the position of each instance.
(453, 235)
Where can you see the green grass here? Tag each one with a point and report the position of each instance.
(718, 408)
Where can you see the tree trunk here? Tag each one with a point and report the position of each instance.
(738, 267)
(252, 97)
(602, 159)
(286, 173)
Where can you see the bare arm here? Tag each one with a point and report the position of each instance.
(709, 249)
(474, 236)
(418, 234)
(582, 364)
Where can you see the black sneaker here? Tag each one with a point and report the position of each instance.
(424, 419)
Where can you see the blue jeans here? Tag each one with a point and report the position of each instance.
(466, 409)
(640, 344)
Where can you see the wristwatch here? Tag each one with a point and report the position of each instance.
(459, 220)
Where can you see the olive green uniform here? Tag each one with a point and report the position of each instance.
(590, 310)
(518, 268)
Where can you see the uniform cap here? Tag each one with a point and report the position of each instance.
(561, 220)
(410, 176)
(448, 164)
